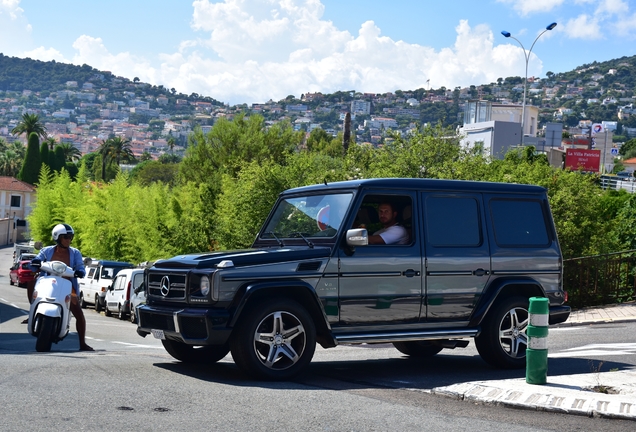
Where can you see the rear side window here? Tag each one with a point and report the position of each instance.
(519, 223)
(138, 279)
(452, 221)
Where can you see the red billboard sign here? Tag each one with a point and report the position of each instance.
(586, 160)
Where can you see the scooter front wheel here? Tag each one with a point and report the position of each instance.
(47, 328)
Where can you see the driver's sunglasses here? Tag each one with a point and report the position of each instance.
(67, 236)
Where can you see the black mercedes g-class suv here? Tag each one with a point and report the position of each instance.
(472, 255)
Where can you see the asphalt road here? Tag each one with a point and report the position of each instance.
(132, 383)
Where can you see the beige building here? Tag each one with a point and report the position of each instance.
(16, 200)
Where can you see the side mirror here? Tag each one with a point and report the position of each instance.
(110, 288)
(357, 237)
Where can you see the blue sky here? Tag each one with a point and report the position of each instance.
(249, 51)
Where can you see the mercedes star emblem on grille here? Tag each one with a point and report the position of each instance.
(165, 286)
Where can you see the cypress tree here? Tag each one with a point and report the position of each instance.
(30, 171)
(44, 153)
(60, 159)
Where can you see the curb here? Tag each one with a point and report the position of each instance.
(540, 398)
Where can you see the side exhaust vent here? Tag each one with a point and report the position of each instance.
(309, 266)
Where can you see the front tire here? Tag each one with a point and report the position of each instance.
(503, 340)
(274, 341)
(191, 354)
(418, 349)
(133, 315)
(48, 326)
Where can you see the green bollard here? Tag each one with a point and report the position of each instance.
(537, 332)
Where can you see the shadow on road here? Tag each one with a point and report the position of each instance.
(8, 312)
(400, 372)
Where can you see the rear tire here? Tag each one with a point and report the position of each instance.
(191, 354)
(417, 349)
(82, 302)
(120, 313)
(503, 341)
(48, 327)
(275, 340)
(98, 306)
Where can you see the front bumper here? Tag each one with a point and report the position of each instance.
(188, 325)
(559, 314)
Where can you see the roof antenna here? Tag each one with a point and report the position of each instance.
(325, 181)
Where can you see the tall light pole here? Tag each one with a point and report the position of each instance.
(525, 83)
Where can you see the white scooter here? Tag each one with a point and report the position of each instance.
(50, 316)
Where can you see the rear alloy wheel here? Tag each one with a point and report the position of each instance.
(503, 340)
(275, 340)
(418, 349)
(191, 354)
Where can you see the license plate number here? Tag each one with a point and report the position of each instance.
(158, 334)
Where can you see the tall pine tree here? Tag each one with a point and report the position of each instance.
(31, 167)
(44, 153)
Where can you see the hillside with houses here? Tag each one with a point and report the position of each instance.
(82, 106)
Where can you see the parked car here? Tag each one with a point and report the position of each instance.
(119, 293)
(137, 299)
(20, 273)
(626, 176)
(99, 276)
(473, 255)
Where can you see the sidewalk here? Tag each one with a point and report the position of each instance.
(570, 394)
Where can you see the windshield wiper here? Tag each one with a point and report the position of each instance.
(309, 243)
(280, 242)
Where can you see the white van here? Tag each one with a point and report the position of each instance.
(119, 293)
(100, 275)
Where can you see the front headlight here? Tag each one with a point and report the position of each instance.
(204, 286)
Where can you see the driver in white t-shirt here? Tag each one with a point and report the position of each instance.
(392, 233)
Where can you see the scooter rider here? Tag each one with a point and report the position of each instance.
(62, 251)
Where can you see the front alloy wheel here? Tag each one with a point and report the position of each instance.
(503, 340)
(274, 341)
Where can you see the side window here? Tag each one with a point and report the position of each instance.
(91, 273)
(137, 280)
(452, 221)
(387, 216)
(519, 223)
(108, 273)
(119, 283)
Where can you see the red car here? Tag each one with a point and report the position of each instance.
(21, 274)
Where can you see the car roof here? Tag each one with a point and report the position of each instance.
(419, 184)
(95, 263)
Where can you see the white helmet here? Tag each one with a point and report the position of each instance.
(61, 229)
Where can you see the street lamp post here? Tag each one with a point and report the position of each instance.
(525, 82)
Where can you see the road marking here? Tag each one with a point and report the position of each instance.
(137, 345)
(611, 349)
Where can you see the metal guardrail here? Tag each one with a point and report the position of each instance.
(614, 182)
(601, 279)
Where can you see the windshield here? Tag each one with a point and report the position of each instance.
(308, 216)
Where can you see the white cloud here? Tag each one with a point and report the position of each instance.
(583, 27)
(13, 27)
(626, 26)
(45, 54)
(527, 7)
(612, 7)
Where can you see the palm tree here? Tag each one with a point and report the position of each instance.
(30, 123)
(71, 153)
(10, 163)
(104, 151)
(50, 141)
(171, 143)
(121, 150)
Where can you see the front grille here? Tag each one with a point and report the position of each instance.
(156, 321)
(193, 328)
(170, 286)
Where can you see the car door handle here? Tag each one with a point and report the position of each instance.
(410, 273)
(480, 272)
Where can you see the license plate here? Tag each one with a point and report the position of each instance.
(158, 334)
